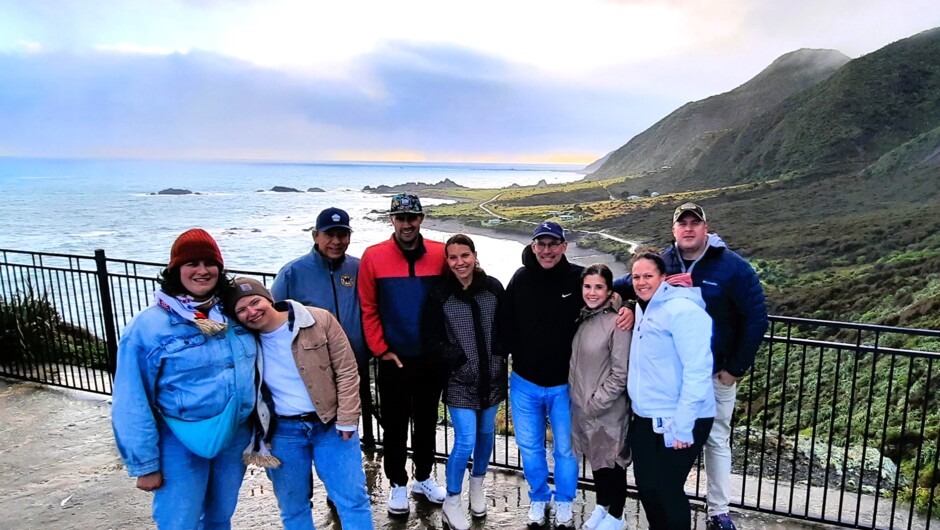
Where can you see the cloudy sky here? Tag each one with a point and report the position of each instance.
(545, 81)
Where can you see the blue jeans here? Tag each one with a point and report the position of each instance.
(198, 492)
(473, 432)
(339, 464)
(531, 404)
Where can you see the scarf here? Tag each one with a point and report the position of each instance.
(205, 315)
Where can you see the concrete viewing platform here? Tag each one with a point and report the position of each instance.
(62, 471)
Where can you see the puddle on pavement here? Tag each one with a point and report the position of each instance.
(507, 505)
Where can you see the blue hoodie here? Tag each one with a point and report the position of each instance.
(670, 373)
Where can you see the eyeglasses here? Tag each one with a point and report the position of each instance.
(542, 245)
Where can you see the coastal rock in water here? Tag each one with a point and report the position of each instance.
(542, 184)
(173, 191)
(410, 187)
(285, 189)
(316, 190)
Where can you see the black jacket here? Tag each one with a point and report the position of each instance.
(461, 326)
(541, 318)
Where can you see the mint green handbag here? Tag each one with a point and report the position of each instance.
(207, 437)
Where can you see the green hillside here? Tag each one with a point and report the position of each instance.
(687, 130)
(832, 194)
(867, 108)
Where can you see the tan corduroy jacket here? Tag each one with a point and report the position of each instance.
(326, 364)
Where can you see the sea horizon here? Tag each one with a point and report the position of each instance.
(75, 206)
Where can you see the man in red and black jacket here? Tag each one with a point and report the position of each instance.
(395, 277)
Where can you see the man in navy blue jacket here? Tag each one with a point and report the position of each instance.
(326, 278)
(735, 301)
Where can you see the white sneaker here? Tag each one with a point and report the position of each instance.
(453, 514)
(398, 500)
(595, 519)
(477, 498)
(612, 523)
(433, 491)
(537, 513)
(564, 515)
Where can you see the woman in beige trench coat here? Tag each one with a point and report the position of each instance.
(599, 405)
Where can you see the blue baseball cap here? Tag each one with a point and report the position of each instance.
(549, 228)
(332, 218)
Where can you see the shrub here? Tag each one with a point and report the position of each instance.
(32, 333)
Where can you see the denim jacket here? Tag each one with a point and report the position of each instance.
(165, 362)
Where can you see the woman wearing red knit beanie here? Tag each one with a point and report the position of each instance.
(184, 390)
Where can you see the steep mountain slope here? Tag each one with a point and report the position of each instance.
(682, 131)
(869, 107)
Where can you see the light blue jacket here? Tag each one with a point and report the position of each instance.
(165, 362)
(670, 373)
(315, 280)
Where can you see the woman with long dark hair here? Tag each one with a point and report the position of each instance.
(184, 391)
(460, 325)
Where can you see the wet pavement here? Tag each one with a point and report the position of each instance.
(60, 469)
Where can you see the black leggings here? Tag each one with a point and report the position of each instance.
(661, 473)
(610, 484)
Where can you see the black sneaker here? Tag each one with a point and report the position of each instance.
(720, 522)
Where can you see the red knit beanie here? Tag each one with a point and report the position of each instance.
(193, 245)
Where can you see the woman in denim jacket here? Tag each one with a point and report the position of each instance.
(182, 365)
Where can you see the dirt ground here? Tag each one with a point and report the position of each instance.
(61, 470)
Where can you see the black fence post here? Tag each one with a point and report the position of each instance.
(107, 312)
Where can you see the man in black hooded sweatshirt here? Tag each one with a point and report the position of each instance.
(543, 301)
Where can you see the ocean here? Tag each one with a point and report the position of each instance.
(77, 206)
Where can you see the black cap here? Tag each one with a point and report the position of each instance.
(332, 218)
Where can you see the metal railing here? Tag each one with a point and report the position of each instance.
(838, 422)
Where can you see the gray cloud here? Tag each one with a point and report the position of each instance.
(414, 98)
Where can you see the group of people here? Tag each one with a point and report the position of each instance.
(219, 373)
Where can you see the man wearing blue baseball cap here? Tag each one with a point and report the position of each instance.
(543, 303)
(326, 277)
